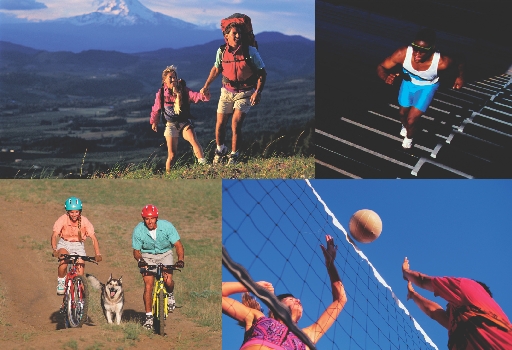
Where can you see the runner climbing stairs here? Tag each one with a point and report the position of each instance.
(465, 133)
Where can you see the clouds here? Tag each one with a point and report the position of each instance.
(291, 17)
(21, 5)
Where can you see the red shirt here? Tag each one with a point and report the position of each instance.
(477, 332)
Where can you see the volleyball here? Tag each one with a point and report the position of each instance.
(365, 226)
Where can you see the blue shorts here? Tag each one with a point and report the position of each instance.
(418, 96)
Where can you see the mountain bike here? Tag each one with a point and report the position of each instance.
(160, 300)
(76, 294)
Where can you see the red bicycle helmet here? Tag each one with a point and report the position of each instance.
(149, 211)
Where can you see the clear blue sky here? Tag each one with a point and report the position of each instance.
(445, 228)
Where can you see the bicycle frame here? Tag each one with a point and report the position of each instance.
(159, 289)
(74, 301)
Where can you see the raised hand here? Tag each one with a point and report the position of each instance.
(267, 285)
(330, 251)
(405, 266)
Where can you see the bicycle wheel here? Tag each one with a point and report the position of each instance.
(77, 302)
(161, 312)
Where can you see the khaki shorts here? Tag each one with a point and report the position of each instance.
(73, 248)
(230, 101)
(166, 258)
(174, 129)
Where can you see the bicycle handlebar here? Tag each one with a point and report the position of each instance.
(148, 268)
(75, 257)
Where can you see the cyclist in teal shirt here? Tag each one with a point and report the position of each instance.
(152, 243)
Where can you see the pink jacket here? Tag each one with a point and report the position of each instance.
(169, 100)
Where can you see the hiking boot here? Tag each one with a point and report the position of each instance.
(171, 303)
(403, 132)
(148, 323)
(61, 287)
(220, 154)
(233, 158)
(407, 143)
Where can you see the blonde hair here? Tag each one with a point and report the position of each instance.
(250, 301)
(176, 92)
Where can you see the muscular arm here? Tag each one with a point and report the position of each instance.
(180, 251)
(417, 278)
(383, 68)
(448, 62)
(430, 308)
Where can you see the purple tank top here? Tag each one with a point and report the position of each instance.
(271, 331)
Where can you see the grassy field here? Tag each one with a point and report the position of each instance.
(194, 207)
(68, 142)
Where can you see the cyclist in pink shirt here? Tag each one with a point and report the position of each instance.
(69, 234)
(473, 318)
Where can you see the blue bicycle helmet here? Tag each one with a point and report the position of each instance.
(73, 203)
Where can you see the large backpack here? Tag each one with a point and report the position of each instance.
(248, 37)
(245, 23)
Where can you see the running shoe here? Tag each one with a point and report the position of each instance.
(148, 324)
(220, 154)
(171, 303)
(407, 143)
(233, 158)
(403, 132)
(61, 287)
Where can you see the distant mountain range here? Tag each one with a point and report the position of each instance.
(118, 25)
(30, 75)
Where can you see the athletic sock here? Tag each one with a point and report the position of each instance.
(201, 160)
(149, 314)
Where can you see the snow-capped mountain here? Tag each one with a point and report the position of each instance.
(125, 13)
(119, 25)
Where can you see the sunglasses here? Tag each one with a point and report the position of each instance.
(420, 48)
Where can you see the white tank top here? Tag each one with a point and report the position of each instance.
(421, 77)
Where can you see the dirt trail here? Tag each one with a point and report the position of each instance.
(29, 305)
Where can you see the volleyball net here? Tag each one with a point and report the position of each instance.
(274, 229)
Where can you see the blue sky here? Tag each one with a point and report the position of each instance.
(445, 228)
(291, 17)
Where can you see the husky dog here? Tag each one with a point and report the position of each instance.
(112, 296)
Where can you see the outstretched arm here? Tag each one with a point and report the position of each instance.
(339, 298)
(236, 309)
(430, 308)
(418, 278)
(383, 68)
(214, 73)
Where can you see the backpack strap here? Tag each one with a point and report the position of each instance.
(248, 61)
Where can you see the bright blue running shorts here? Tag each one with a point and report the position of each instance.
(418, 96)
